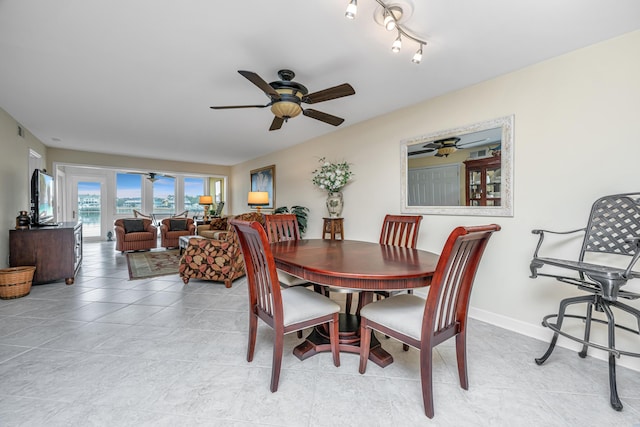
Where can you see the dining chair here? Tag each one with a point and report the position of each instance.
(397, 230)
(425, 323)
(285, 310)
(610, 250)
(280, 228)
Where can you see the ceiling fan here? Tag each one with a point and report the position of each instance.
(285, 97)
(442, 147)
(153, 176)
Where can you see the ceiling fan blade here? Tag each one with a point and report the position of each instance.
(226, 107)
(432, 145)
(330, 93)
(276, 123)
(471, 142)
(415, 153)
(258, 81)
(323, 117)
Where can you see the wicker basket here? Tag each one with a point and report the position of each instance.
(15, 282)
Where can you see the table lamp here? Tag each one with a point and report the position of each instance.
(258, 199)
(205, 201)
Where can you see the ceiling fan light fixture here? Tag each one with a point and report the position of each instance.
(397, 44)
(286, 109)
(352, 10)
(289, 105)
(445, 151)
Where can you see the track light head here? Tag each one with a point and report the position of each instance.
(389, 23)
(417, 57)
(397, 44)
(352, 10)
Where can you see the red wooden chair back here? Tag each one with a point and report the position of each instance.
(282, 227)
(400, 230)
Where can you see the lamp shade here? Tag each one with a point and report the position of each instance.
(205, 200)
(258, 198)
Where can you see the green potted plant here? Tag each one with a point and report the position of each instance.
(301, 214)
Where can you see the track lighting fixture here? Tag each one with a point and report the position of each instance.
(390, 17)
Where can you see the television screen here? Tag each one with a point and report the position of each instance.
(42, 197)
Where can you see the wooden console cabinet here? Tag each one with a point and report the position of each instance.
(55, 251)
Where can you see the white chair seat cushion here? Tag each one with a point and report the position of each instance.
(287, 279)
(301, 304)
(401, 313)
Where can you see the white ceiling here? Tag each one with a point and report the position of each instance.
(138, 76)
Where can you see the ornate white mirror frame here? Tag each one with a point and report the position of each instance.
(506, 148)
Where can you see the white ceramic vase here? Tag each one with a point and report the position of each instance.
(335, 204)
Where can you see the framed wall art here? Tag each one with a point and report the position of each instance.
(264, 179)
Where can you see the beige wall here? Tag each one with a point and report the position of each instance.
(576, 138)
(14, 177)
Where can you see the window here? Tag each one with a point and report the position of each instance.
(164, 195)
(193, 189)
(128, 193)
(216, 184)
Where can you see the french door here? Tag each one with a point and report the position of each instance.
(88, 205)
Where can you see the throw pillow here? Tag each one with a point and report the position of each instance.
(218, 224)
(133, 225)
(177, 225)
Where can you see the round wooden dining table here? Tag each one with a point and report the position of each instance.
(353, 266)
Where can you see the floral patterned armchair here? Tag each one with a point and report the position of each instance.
(216, 260)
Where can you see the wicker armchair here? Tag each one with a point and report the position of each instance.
(216, 260)
(172, 228)
(135, 234)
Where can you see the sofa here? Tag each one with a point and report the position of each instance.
(215, 229)
(135, 234)
(218, 260)
(171, 229)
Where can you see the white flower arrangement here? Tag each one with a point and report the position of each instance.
(332, 176)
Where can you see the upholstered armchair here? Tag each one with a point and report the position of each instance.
(135, 234)
(172, 228)
(218, 260)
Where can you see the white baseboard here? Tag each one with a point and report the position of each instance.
(541, 333)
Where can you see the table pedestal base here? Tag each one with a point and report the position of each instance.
(318, 342)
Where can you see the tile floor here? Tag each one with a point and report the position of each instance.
(112, 352)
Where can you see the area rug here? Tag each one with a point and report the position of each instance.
(152, 263)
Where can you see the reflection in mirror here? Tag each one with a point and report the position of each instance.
(461, 171)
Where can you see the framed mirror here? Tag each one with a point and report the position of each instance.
(462, 171)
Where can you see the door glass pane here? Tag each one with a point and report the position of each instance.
(193, 189)
(475, 182)
(493, 182)
(128, 193)
(89, 208)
